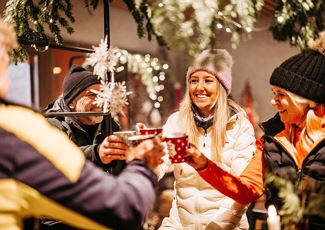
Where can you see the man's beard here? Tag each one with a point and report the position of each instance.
(83, 105)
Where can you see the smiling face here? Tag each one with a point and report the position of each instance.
(203, 91)
(291, 111)
(84, 102)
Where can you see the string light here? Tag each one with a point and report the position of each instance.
(120, 68)
(165, 66)
(150, 70)
(153, 96)
(39, 49)
(228, 21)
(280, 19)
(161, 77)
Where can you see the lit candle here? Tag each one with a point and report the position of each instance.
(273, 220)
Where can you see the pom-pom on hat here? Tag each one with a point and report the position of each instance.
(75, 81)
(217, 62)
(304, 74)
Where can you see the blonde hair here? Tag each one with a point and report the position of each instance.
(313, 128)
(221, 120)
(313, 131)
(8, 39)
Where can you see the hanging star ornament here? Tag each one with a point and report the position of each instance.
(112, 96)
(103, 60)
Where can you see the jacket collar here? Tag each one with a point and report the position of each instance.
(272, 126)
(60, 106)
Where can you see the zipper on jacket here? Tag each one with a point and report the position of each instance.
(299, 175)
(311, 153)
(204, 137)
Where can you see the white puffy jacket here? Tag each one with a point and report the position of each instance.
(196, 204)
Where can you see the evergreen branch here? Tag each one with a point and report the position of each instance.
(29, 19)
(300, 21)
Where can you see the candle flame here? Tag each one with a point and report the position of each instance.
(271, 212)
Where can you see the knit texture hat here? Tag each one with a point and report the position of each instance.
(217, 62)
(75, 81)
(303, 74)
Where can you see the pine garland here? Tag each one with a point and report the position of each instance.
(298, 21)
(30, 18)
(299, 201)
(141, 11)
(190, 26)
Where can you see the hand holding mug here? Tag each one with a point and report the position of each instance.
(151, 151)
(195, 158)
(125, 136)
(112, 148)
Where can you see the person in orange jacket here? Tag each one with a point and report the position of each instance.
(294, 139)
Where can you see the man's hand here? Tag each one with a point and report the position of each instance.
(112, 148)
(195, 158)
(151, 151)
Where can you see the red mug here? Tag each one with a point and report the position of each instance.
(176, 144)
(148, 131)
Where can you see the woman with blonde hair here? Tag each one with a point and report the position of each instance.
(294, 139)
(220, 129)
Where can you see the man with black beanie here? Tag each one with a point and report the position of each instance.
(90, 133)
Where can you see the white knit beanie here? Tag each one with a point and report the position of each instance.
(217, 62)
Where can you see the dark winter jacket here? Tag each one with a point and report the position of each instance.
(279, 159)
(88, 144)
(43, 173)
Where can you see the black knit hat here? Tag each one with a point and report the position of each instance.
(302, 74)
(75, 81)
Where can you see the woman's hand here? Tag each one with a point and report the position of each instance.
(112, 148)
(195, 158)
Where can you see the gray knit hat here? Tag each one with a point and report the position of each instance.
(304, 73)
(75, 81)
(217, 62)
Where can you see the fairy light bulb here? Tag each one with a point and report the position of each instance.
(248, 29)
(280, 19)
